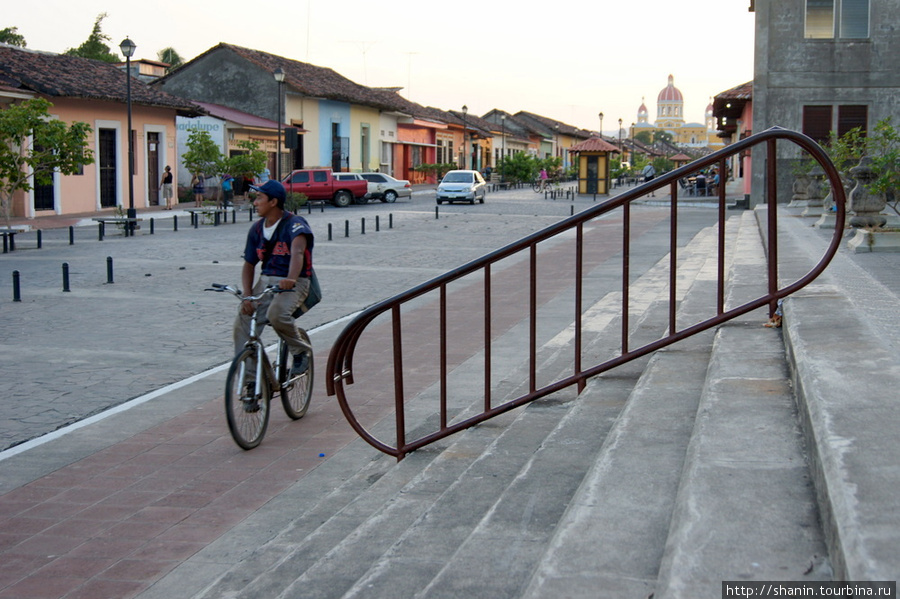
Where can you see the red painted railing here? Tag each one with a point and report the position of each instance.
(340, 373)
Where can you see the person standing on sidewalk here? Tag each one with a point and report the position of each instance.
(167, 192)
(649, 174)
(283, 243)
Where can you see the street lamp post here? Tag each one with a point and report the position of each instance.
(621, 149)
(503, 156)
(279, 77)
(601, 125)
(465, 111)
(632, 145)
(127, 47)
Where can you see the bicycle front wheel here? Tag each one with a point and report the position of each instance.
(246, 410)
(296, 391)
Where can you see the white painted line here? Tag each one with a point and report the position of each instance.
(58, 433)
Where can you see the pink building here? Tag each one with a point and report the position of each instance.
(95, 93)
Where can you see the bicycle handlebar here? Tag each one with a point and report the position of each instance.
(220, 288)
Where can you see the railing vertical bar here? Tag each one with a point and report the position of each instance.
(673, 255)
(487, 337)
(399, 398)
(443, 358)
(772, 223)
(579, 289)
(626, 237)
(720, 272)
(532, 306)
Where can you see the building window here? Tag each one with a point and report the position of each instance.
(855, 19)
(847, 19)
(851, 117)
(819, 121)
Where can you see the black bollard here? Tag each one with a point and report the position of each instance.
(377, 224)
(329, 231)
(17, 292)
(437, 212)
(109, 270)
(39, 239)
(362, 226)
(391, 221)
(100, 231)
(151, 226)
(71, 235)
(174, 222)
(65, 269)
(346, 228)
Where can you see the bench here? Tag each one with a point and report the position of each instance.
(130, 224)
(10, 244)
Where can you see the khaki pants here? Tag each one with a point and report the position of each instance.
(279, 309)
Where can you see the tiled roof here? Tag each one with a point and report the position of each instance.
(551, 125)
(743, 91)
(317, 82)
(58, 75)
(594, 144)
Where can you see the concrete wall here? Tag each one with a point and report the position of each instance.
(791, 71)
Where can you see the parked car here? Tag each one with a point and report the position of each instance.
(321, 184)
(462, 186)
(354, 177)
(386, 188)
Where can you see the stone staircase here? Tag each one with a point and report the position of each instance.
(663, 478)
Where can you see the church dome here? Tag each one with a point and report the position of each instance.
(670, 93)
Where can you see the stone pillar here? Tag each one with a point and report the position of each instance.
(865, 205)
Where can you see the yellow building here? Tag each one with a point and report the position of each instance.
(670, 118)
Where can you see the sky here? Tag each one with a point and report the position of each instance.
(570, 66)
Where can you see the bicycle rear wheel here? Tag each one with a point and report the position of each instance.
(247, 412)
(296, 392)
(536, 186)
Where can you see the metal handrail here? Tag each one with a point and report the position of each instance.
(340, 361)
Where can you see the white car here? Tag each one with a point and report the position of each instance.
(386, 188)
(462, 186)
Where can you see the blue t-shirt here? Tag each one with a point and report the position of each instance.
(280, 260)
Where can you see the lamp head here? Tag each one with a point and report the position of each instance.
(127, 47)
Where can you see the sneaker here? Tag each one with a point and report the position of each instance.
(301, 364)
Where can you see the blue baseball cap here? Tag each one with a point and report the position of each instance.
(271, 188)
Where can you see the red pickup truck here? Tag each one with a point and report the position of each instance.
(320, 184)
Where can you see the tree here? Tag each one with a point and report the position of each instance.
(250, 161)
(33, 146)
(95, 45)
(203, 155)
(11, 36)
(645, 137)
(171, 57)
(519, 167)
(661, 135)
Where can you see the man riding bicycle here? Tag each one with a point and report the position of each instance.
(283, 243)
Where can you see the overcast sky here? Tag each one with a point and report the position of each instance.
(570, 66)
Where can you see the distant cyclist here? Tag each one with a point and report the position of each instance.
(283, 243)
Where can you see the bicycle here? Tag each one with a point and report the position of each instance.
(548, 184)
(252, 378)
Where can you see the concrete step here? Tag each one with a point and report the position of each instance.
(746, 508)
(491, 496)
(841, 335)
(610, 541)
